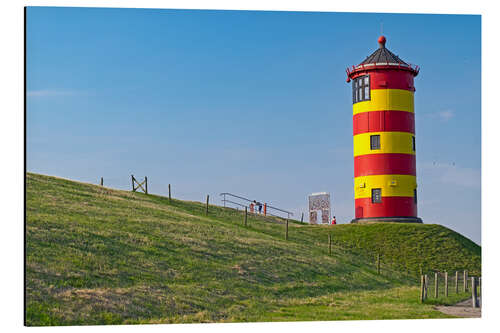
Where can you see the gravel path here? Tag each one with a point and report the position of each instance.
(463, 309)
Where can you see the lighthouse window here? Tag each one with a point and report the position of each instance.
(413, 142)
(415, 195)
(374, 142)
(376, 195)
(361, 89)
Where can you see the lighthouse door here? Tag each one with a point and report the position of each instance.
(359, 212)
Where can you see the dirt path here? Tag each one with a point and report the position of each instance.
(463, 309)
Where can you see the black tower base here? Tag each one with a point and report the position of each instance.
(402, 219)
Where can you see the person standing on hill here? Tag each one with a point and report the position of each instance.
(334, 220)
(260, 207)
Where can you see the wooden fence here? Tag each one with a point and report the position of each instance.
(441, 284)
(136, 185)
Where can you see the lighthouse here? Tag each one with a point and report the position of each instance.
(385, 182)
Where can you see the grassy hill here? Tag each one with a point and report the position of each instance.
(101, 256)
(412, 248)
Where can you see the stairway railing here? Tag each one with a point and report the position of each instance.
(224, 200)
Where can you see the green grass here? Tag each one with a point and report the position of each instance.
(101, 256)
(412, 248)
(450, 300)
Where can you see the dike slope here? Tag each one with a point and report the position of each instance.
(95, 255)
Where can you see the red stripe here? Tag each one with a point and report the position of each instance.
(389, 207)
(383, 121)
(389, 79)
(384, 164)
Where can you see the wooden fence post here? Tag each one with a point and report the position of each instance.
(102, 181)
(422, 287)
(286, 234)
(329, 244)
(426, 283)
(445, 284)
(474, 292)
(465, 281)
(456, 282)
(436, 285)
(378, 263)
(207, 205)
(246, 213)
(146, 181)
(169, 196)
(479, 292)
(133, 188)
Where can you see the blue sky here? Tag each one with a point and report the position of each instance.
(253, 103)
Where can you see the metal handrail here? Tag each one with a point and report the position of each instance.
(236, 196)
(236, 203)
(246, 199)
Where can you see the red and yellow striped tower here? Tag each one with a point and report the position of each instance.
(385, 186)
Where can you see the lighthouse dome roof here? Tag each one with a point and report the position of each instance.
(382, 55)
(382, 58)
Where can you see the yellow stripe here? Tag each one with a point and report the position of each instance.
(391, 185)
(390, 142)
(386, 100)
